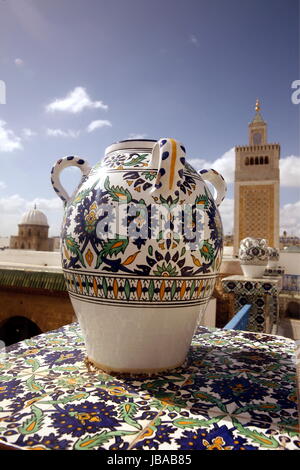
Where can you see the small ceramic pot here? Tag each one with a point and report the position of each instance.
(273, 257)
(253, 255)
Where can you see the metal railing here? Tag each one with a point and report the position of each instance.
(240, 319)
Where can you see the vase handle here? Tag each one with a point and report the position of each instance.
(60, 165)
(168, 157)
(217, 180)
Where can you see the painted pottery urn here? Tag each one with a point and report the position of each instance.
(253, 256)
(141, 249)
(273, 258)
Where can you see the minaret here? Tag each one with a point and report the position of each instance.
(256, 186)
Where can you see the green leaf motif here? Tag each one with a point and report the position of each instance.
(173, 289)
(192, 422)
(128, 410)
(82, 194)
(154, 384)
(203, 199)
(270, 407)
(34, 423)
(33, 385)
(135, 161)
(207, 251)
(89, 442)
(74, 248)
(169, 203)
(6, 378)
(193, 286)
(117, 193)
(127, 289)
(67, 399)
(207, 397)
(112, 247)
(33, 363)
(264, 441)
(66, 368)
(151, 290)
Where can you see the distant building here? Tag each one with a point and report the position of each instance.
(289, 241)
(256, 186)
(228, 240)
(33, 233)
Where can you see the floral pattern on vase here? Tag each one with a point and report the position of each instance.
(142, 231)
(273, 257)
(253, 256)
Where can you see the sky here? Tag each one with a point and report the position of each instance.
(82, 74)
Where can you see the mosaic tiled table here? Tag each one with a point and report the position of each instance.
(236, 391)
(262, 294)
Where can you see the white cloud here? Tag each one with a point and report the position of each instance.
(28, 133)
(75, 101)
(290, 171)
(224, 165)
(19, 62)
(289, 168)
(44, 204)
(290, 218)
(11, 203)
(98, 124)
(194, 40)
(226, 212)
(60, 133)
(13, 207)
(8, 140)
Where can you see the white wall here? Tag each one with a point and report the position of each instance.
(30, 258)
(290, 261)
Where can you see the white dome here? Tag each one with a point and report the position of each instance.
(34, 217)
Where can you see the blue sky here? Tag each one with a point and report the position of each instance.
(189, 69)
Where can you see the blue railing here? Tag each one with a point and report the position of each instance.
(240, 319)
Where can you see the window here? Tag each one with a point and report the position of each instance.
(251, 161)
(261, 160)
(266, 160)
(256, 160)
(247, 161)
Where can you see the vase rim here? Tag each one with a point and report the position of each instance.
(131, 144)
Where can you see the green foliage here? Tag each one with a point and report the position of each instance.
(33, 423)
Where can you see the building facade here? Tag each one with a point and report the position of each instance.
(32, 233)
(256, 186)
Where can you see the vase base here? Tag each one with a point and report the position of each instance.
(127, 371)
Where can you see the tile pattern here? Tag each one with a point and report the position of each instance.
(262, 294)
(236, 391)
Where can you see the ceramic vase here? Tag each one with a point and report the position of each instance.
(273, 257)
(253, 256)
(141, 249)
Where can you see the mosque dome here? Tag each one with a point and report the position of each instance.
(34, 217)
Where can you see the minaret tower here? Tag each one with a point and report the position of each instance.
(256, 186)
